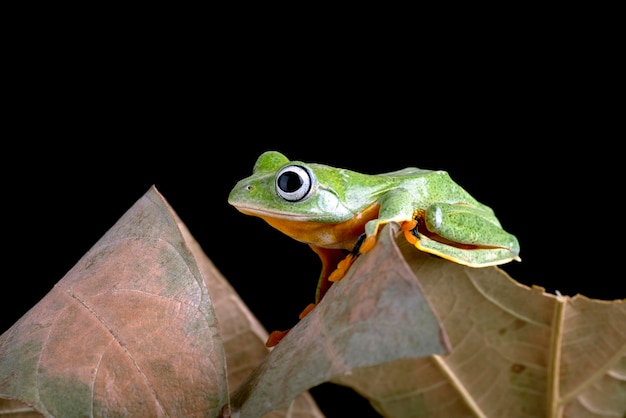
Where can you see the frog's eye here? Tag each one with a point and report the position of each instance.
(294, 183)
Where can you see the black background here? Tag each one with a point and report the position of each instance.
(94, 120)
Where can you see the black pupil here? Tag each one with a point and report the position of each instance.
(289, 182)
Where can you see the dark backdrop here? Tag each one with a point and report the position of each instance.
(526, 131)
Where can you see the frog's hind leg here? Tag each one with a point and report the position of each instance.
(475, 257)
(463, 234)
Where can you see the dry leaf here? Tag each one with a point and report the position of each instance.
(145, 325)
(516, 351)
(376, 314)
(132, 330)
(241, 333)
(128, 331)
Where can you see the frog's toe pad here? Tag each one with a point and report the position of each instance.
(306, 310)
(336, 275)
(368, 244)
(275, 337)
(342, 268)
(410, 237)
(408, 228)
(408, 225)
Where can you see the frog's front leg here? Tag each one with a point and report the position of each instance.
(465, 234)
(395, 206)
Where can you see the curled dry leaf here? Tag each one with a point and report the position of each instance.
(516, 351)
(242, 334)
(133, 330)
(129, 331)
(374, 315)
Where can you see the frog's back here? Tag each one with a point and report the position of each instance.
(408, 172)
(431, 186)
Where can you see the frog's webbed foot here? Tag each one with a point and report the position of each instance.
(366, 242)
(342, 268)
(362, 245)
(409, 228)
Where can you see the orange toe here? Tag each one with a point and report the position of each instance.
(346, 262)
(341, 269)
(336, 275)
(367, 244)
(306, 310)
(412, 239)
(408, 225)
(275, 338)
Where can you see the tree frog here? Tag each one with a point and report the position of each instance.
(337, 211)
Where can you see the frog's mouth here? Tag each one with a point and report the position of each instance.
(287, 216)
(314, 230)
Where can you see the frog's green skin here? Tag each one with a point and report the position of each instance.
(340, 205)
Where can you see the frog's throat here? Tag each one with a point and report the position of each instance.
(338, 235)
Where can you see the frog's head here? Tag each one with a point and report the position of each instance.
(294, 190)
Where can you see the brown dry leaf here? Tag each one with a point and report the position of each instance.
(516, 351)
(242, 334)
(376, 314)
(144, 325)
(130, 330)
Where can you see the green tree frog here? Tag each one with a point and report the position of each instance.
(335, 210)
